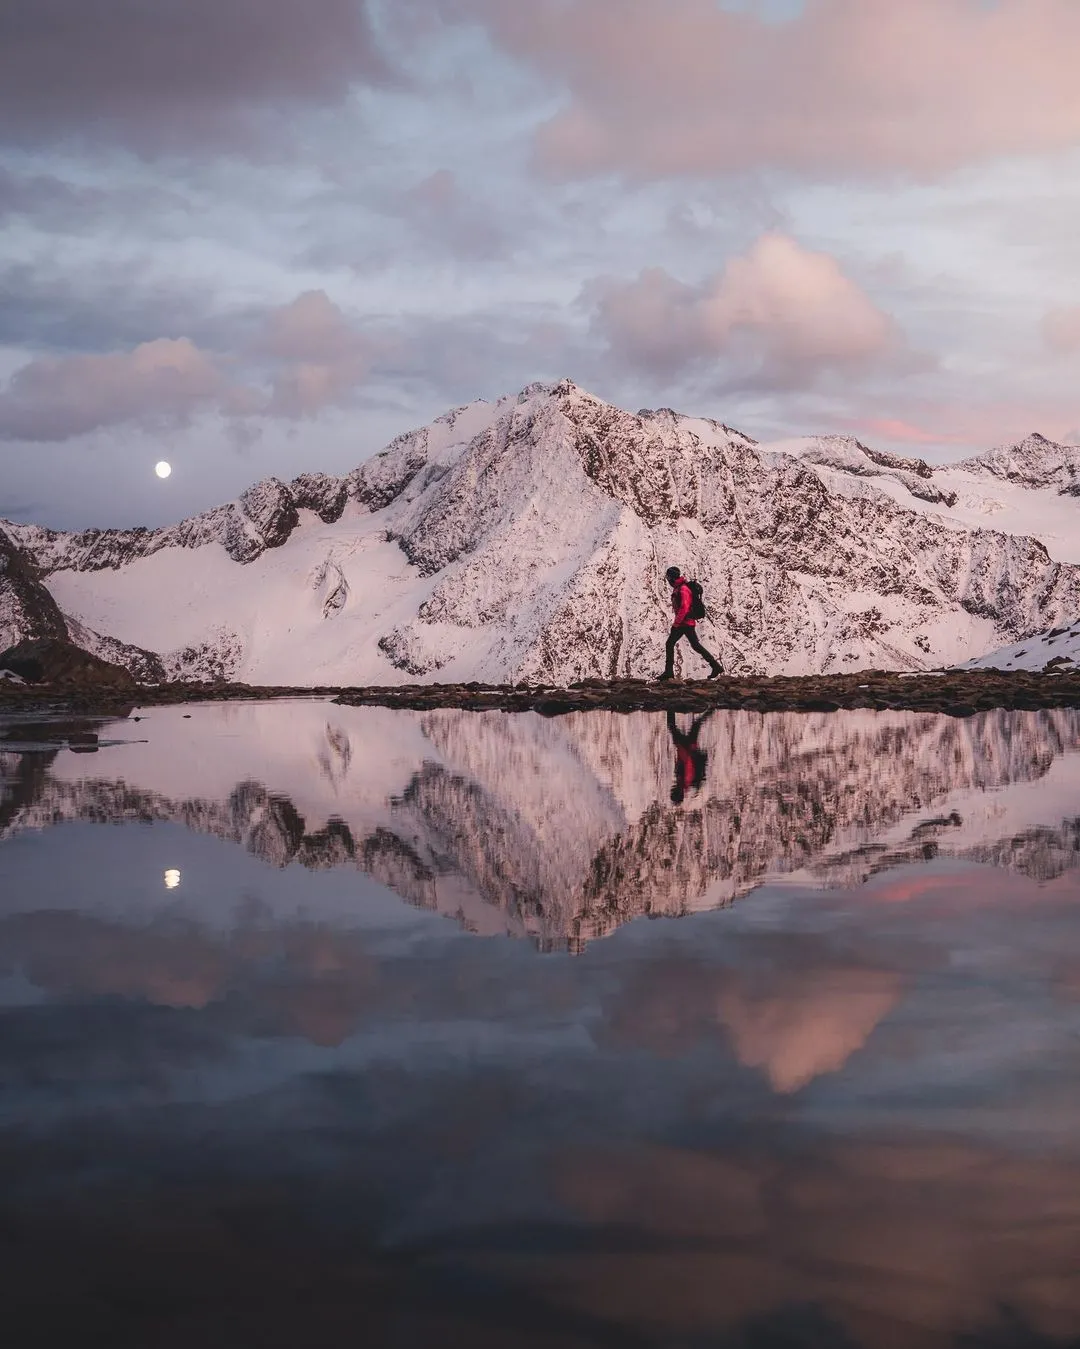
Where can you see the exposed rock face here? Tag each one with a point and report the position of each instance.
(531, 539)
(797, 578)
(851, 456)
(27, 610)
(264, 517)
(146, 666)
(1033, 462)
(321, 493)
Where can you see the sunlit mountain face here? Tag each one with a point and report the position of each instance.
(523, 540)
(358, 1018)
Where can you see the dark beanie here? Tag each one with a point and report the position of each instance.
(673, 574)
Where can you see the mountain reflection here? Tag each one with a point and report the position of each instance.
(827, 1116)
(563, 830)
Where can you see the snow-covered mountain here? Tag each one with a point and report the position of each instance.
(1031, 488)
(527, 540)
(563, 830)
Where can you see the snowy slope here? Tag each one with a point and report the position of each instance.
(527, 539)
(1057, 649)
(1032, 488)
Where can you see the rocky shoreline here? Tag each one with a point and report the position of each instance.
(955, 692)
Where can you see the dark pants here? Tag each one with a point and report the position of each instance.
(676, 636)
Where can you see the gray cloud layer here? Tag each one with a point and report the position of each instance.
(168, 74)
(333, 211)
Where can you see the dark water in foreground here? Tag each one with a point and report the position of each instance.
(327, 1026)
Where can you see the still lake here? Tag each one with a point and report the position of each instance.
(325, 1025)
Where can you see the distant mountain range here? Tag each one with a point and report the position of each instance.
(527, 539)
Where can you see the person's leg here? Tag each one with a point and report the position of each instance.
(674, 637)
(695, 642)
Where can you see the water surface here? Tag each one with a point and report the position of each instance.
(325, 1024)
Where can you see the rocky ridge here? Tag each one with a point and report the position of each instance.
(531, 538)
(27, 610)
(850, 456)
(1034, 461)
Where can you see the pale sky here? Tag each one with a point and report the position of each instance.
(260, 237)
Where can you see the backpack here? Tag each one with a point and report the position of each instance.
(697, 601)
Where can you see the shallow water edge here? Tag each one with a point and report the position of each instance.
(954, 692)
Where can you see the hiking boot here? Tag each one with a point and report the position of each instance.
(666, 675)
(716, 672)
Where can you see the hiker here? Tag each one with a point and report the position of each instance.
(682, 602)
(690, 759)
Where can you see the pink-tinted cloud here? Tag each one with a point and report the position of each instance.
(812, 1026)
(311, 328)
(794, 309)
(974, 423)
(686, 87)
(170, 73)
(894, 429)
(1061, 330)
(319, 357)
(306, 357)
(56, 398)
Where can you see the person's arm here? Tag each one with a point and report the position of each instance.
(683, 609)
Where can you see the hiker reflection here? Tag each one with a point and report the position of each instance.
(690, 758)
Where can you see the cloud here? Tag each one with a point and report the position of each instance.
(174, 73)
(442, 212)
(304, 356)
(309, 328)
(819, 1240)
(810, 1027)
(963, 416)
(55, 398)
(109, 305)
(1061, 330)
(794, 310)
(896, 430)
(864, 86)
(319, 357)
(44, 197)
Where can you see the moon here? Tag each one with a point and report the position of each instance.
(164, 469)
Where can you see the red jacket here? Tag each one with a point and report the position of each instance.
(681, 600)
(685, 768)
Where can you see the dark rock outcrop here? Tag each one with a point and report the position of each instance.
(27, 610)
(57, 661)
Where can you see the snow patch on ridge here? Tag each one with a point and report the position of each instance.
(1059, 648)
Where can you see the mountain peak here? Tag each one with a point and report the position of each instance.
(1035, 461)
